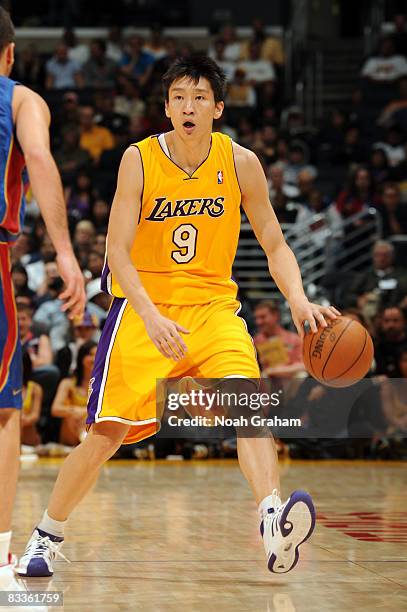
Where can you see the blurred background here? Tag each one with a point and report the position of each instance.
(318, 89)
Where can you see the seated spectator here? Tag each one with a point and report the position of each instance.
(161, 66)
(94, 138)
(381, 284)
(38, 346)
(66, 115)
(359, 194)
(271, 47)
(29, 68)
(386, 66)
(82, 331)
(394, 398)
(62, 72)
(82, 240)
(278, 186)
(71, 398)
(279, 350)
(298, 162)
(107, 116)
(155, 46)
(78, 52)
(353, 149)
(305, 185)
(267, 146)
(95, 264)
(50, 275)
(79, 197)
(379, 166)
(396, 111)
(70, 157)
(99, 243)
(20, 281)
(268, 102)
(285, 210)
(232, 45)
(136, 62)
(240, 92)
(391, 341)
(257, 70)
(52, 317)
(400, 34)
(393, 212)
(393, 146)
(129, 101)
(31, 410)
(98, 301)
(218, 54)
(36, 269)
(100, 215)
(325, 230)
(332, 133)
(99, 70)
(114, 49)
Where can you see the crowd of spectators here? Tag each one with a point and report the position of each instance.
(106, 93)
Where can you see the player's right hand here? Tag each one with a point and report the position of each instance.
(74, 294)
(165, 335)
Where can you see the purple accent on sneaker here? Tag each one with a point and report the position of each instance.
(100, 358)
(269, 511)
(37, 568)
(295, 497)
(52, 537)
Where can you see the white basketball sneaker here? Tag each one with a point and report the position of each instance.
(39, 554)
(285, 528)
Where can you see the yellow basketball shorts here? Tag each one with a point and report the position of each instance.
(127, 363)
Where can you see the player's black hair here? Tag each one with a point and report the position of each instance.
(6, 29)
(194, 68)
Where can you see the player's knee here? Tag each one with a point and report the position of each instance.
(9, 416)
(106, 439)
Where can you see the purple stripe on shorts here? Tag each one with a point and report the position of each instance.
(100, 358)
(105, 276)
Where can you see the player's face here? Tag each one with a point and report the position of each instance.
(192, 108)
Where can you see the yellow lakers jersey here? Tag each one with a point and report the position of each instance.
(189, 226)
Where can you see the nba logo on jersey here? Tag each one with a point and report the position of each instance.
(220, 177)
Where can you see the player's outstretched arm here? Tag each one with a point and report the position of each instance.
(32, 119)
(122, 230)
(282, 263)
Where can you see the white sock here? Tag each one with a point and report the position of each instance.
(5, 538)
(50, 525)
(271, 501)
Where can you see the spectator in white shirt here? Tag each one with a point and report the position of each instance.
(62, 72)
(392, 146)
(232, 45)
(218, 54)
(257, 70)
(114, 48)
(387, 66)
(79, 52)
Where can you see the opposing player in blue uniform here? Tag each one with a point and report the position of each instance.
(24, 144)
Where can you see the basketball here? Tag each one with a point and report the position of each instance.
(338, 355)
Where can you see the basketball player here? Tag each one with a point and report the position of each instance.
(24, 141)
(172, 238)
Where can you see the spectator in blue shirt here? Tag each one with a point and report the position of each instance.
(136, 62)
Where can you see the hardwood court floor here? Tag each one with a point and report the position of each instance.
(175, 536)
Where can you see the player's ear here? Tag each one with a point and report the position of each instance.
(167, 111)
(10, 54)
(219, 106)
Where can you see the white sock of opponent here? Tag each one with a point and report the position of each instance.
(271, 501)
(51, 526)
(5, 538)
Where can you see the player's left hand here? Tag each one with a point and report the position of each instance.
(302, 310)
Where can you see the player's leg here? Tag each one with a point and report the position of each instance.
(9, 468)
(10, 404)
(76, 477)
(229, 354)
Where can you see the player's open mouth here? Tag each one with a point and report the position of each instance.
(188, 126)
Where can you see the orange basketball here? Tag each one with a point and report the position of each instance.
(340, 354)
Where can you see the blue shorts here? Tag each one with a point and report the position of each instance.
(11, 367)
